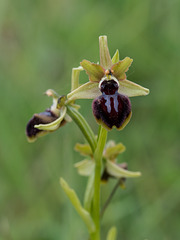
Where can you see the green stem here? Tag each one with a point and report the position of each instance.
(83, 125)
(89, 193)
(97, 180)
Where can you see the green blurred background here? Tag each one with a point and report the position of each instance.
(40, 41)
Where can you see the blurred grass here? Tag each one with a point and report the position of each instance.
(40, 41)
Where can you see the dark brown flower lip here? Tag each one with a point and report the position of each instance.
(41, 118)
(111, 110)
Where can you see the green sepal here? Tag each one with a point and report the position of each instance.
(112, 234)
(89, 90)
(94, 71)
(55, 124)
(75, 77)
(83, 149)
(85, 167)
(113, 151)
(115, 58)
(114, 170)
(121, 67)
(105, 58)
(131, 89)
(86, 217)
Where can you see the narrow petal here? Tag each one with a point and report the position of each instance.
(53, 125)
(85, 167)
(52, 93)
(94, 71)
(118, 172)
(121, 67)
(89, 90)
(105, 58)
(55, 96)
(83, 149)
(132, 89)
(115, 58)
(114, 151)
(86, 217)
(75, 77)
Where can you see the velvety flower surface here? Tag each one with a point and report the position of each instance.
(111, 109)
(109, 87)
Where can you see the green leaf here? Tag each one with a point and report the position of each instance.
(85, 167)
(55, 124)
(113, 151)
(83, 149)
(89, 90)
(121, 67)
(119, 172)
(94, 71)
(77, 205)
(105, 58)
(75, 77)
(112, 234)
(115, 58)
(132, 89)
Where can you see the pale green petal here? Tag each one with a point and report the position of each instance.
(114, 151)
(121, 67)
(132, 89)
(115, 58)
(89, 90)
(112, 234)
(94, 71)
(86, 217)
(118, 172)
(85, 167)
(53, 125)
(105, 58)
(75, 77)
(83, 149)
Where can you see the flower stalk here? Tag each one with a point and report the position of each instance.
(83, 126)
(97, 181)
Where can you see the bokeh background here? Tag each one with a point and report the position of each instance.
(40, 42)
